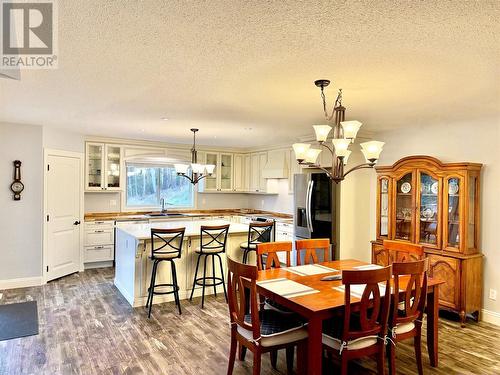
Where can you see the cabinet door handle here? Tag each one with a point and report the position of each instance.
(98, 247)
(98, 231)
(99, 222)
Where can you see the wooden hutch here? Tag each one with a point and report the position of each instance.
(423, 201)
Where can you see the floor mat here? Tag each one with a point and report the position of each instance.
(18, 320)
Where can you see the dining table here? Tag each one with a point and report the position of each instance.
(301, 290)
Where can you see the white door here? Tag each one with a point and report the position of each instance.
(63, 184)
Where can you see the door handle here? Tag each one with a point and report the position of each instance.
(77, 222)
(309, 207)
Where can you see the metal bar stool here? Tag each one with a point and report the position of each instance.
(169, 248)
(213, 241)
(258, 232)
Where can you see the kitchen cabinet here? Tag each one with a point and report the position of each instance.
(99, 241)
(295, 168)
(103, 167)
(222, 178)
(239, 173)
(257, 182)
(423, 201)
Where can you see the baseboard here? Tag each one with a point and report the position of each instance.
(490, 317)
(23, 282)
(91, 265)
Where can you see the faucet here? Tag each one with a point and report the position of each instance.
(163, 209)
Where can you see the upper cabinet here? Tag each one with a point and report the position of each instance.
(424, 201)
(103, 167)
(222, 178)
(258, 183)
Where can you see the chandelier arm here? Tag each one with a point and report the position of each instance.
(186, 176)
(317, 166)
(325, 145)
(201, 177)
(361, 166)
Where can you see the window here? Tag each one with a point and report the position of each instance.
(147, 184)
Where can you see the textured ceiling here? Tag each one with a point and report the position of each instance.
(227, 66)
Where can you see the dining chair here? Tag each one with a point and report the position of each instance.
(407, 312)
(166, 245)
(362, 330)
(258, 232)
(260, 331)
(213, 240)
(402, 251)
(270, 251)
(312, 247)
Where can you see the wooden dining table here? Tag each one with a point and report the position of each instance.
(327, 303)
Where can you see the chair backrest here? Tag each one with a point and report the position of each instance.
(168, 242)
(403, 251)
(415, 293)
(259, 232)
(373, 305)
(213, 237)
(241, 278)
(271, 250)
(311, 248)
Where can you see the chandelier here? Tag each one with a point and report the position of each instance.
(344, 133)
(198, 171)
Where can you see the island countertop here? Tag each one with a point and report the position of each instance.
(143, 231)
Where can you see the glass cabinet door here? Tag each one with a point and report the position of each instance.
(95, 163)
(472, 212)
(211, 181)
(404, 208)
(428, 218)
(452, 230)
(226, 172)
(112, 167)
(383, 228)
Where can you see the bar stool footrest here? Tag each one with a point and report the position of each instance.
(174, 289)
(200, 281)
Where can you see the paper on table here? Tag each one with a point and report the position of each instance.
(286, 288)
(310, 269)
(358, 289)
(368, 267)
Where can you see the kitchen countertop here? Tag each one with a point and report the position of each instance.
(143, 231)
(124, 216)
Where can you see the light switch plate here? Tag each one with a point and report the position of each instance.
(493, 294)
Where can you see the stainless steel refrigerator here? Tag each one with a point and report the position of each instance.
(315, 205)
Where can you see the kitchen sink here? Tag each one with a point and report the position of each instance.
(165, 214)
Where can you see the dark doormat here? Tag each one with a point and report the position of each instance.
(18, 320)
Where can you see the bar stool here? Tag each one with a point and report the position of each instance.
(212, 243)
(258, 232)
(169, 248)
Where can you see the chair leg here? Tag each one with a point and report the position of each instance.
(232, 353)
(343, 365)
(176, 287)
(391, 355)
(152, 290)
(274, 358)
(302, 357)
(245, 255)
(257, 357)
(150, 285)
(417, 342)
(222, 276)
(381, 359)
(242, 351)
(204, 281)
(195, 276)
(289, 358)
(213, 275)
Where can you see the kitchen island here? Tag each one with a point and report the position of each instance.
(133, 266)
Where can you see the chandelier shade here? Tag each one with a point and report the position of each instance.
(312, 155)
(300, 150)
(322, 132)
(351, 128)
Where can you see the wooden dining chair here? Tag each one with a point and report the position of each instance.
(270, 251)
(312, 247)
(260, 331)
(362, 331)
(407, 310)
(403, 252)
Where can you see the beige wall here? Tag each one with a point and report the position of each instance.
(455, 143)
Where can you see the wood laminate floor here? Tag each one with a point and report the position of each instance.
(87, 327)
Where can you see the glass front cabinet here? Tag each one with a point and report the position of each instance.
(425, 202)
(222, 178)
(103, 167)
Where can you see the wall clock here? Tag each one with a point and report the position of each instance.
(17, 186)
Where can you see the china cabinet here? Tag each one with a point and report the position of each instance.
(103, 167)
(423, 201)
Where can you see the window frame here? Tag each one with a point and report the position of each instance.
(146, 208)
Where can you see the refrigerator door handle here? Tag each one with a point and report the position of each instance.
(309, 206)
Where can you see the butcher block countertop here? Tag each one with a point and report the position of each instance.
(119, 216)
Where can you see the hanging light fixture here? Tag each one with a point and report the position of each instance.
(344, 133)
(198, 171)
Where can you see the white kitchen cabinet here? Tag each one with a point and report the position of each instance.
(246, 185)
(103, 167)
(258, 183)
(284, 232)
(222, 178)
(295, 168)
(99, 241)
(239, 173)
